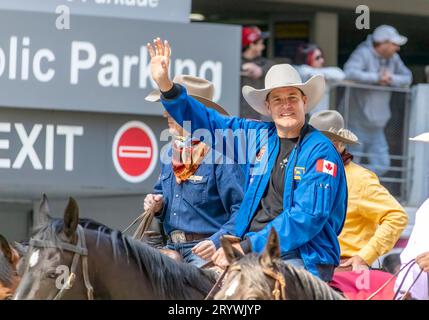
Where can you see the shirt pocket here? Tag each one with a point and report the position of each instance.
(195, 191)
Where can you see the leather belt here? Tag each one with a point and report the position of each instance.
(178, 236)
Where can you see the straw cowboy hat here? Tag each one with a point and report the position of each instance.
(198, 88)
(284, 75)
(331, 124)
(424, 137)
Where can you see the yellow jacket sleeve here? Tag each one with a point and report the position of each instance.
(379, 206)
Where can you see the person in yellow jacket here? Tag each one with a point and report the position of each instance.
(374, 220)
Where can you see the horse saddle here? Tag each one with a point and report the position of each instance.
(173, 254)
(153, 239)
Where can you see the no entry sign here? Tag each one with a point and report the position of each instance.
(134, 151)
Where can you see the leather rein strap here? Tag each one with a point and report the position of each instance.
(79, 250)
(144, 220)
(279, 291)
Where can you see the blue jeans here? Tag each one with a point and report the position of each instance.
(373, 141)
(293, 259)
(185, 250)
(326, 272)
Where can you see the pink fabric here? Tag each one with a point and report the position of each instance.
(359, 285)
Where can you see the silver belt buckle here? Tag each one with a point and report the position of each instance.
(178, 236)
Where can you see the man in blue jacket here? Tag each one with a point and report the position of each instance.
(295, 180)
(196, 200)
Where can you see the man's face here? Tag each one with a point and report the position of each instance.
(387, 49)
(287, 108)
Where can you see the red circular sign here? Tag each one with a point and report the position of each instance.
(134, 151)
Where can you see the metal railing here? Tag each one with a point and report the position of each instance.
(398, 172)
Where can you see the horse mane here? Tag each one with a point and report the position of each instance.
(6, 271)
(169, 279)
(301, 283)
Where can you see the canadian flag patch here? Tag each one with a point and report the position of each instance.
(326, 167)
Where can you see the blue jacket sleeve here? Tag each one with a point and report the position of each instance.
(185, 108)
(157, 189)
(313, 203)
(230, 183)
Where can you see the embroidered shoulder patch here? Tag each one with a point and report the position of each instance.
(326, 166)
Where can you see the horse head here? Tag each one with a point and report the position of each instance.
(246, 278)
(9, 259)
(51, 256)
(263, 277)
(58, 266)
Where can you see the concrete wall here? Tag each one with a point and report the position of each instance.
(15, 220)
(418, 185)
(115, 212)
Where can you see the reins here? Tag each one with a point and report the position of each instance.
(409, 264)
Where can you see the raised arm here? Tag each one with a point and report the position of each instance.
(176, 100)
(160, 54)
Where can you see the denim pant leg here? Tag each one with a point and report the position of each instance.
(293, 259)
(185, 250)
(379, 147)
(326, 272)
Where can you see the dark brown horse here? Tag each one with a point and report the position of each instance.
(9, 258)
(268, 277)
(69, 259)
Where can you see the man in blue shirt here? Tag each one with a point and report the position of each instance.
(307, 207)
(196, 199)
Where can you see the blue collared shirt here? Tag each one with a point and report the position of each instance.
(206, 204)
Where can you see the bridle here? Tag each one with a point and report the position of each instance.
(79, 250)
(279, 290)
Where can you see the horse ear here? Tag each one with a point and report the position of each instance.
(71, 218)
(44, 212)
(272, 249)
(6, 249)
(231, 254)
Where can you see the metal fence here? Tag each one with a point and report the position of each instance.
(398, 172)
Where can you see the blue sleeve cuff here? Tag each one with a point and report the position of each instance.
(216, 239)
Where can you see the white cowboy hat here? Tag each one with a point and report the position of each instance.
(284, 75)
(424, 137)
(331, 124)
(198, 88)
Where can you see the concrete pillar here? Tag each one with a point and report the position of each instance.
(325, 34)
(418, 184)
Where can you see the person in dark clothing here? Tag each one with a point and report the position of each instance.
(254, 66)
